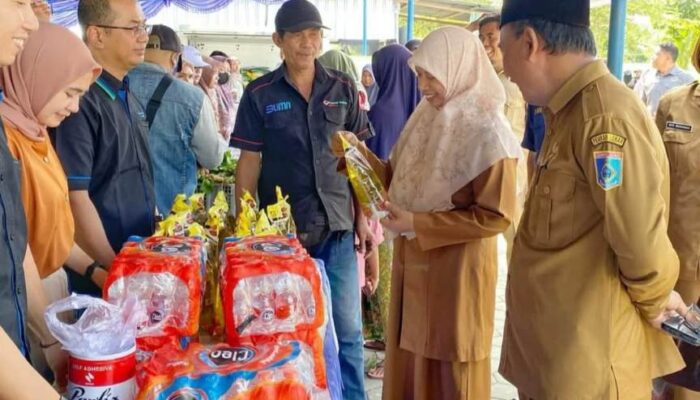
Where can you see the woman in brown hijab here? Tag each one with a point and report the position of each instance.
(451, 191)
(42, 88)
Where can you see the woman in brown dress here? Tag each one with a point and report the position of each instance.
(451, 183)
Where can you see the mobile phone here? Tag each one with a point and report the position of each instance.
(677, 327)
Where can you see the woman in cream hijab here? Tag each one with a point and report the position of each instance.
(451, 183)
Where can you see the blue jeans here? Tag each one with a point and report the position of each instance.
(338, 253)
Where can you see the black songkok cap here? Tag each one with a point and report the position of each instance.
(570, 12)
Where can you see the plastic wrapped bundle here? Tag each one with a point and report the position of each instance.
(166, 276)
(244, 372)
(272, 290)
(271, 286)
(334, 379)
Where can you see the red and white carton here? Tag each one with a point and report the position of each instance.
(102, 377)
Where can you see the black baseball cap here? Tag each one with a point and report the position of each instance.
(163, 37)
(297, 15)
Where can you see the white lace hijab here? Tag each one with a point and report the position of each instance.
(441, 150)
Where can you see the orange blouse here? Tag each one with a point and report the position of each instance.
(50, 226)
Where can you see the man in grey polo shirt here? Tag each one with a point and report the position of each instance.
(182, 126)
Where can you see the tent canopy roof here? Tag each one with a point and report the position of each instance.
(459, 12)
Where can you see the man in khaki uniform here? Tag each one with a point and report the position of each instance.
(678, 120)
(490, 36)
(593, 268)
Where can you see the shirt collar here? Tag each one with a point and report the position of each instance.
(582, 78)
(674, 71)
(111, 85)
(320, 73)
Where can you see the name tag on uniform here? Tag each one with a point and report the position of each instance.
(608, 168)
(679, 126)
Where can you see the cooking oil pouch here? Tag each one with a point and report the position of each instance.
(368, 188)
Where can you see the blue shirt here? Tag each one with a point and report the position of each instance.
(653, 85)
(13, 245)
(294, 138)
(104, 150)
(534, 129)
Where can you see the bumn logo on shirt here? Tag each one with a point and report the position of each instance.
(281, 106)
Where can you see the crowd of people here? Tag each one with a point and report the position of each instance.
(514, 128)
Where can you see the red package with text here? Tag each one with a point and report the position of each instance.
(272, 291)
(222, 371)
(166, 275)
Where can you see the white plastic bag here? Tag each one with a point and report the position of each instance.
(103, 329)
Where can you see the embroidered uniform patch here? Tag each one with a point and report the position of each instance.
(608, 168)
(277, 107)
(608, 138)
(335, 104)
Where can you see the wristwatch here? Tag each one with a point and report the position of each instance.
(91, 270)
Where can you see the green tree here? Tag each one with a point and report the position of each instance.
(421, 28)
(649, 23)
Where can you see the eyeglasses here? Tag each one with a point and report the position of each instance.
(136, 30)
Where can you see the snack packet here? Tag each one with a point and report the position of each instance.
(179, 204)
(195, 230)
(263, 226)
(221, 203)
(198, 209)
(368, 188)
(176, 224)
(214, 224)
(245, 224)
(280, 214)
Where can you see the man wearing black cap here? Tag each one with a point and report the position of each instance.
(183, 131)
(592, 271)
(284, 128)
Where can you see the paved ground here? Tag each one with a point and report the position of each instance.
(500, 389)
